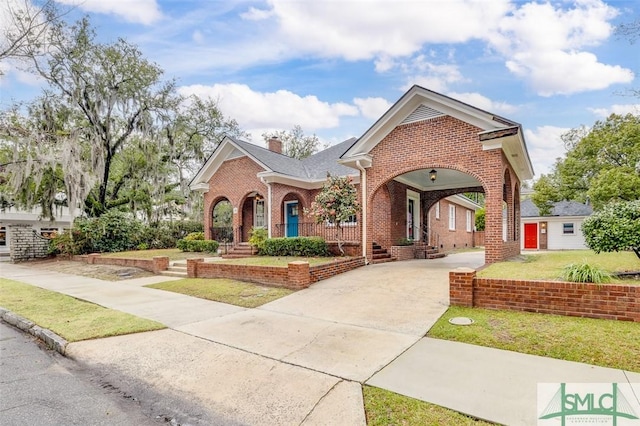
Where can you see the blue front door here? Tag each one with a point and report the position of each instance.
(292, 220)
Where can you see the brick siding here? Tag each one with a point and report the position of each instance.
(442, 142)
(604, 301)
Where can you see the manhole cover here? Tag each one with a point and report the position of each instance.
(461, 321)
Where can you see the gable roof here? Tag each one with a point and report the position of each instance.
(310, 172)
(560, 208)
(419, 103)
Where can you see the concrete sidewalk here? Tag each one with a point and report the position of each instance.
(302, 359)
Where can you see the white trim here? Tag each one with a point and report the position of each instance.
(415, 197)
(469, 226)
(438, 210)
(452, 217)
(255, 213)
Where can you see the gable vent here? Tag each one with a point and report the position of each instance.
(422, 113)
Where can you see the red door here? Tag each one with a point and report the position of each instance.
(531, 235)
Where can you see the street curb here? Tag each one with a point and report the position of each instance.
(50, 338)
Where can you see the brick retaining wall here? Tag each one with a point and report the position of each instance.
(604, 301)
(296, 275)
(155, 265)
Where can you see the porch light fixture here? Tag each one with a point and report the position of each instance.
(258, 197)
(433, 175)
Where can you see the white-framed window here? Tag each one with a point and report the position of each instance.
(259, 219)
(568, 229)
(452, 217)
(469, 217)
(438, 210)
(351, 221)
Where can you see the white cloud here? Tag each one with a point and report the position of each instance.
(356, 30)
(552, 57)
(256, 111)
(141, 11)
(428, 74)
(372, 108)
(482, 102)
(616, 109)
(254, 14)
(557, 72)
(545, 146)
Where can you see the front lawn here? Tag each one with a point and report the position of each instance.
(383, 407)
(172, 254)
(549, 265)
(606, 343)
(237, 293)
(67, 316)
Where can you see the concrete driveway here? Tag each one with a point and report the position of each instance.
(298, 360)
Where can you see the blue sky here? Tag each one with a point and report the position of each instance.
(334, 67)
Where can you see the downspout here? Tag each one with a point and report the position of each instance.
(363, 185)
(268, 205)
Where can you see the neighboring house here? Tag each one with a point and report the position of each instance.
(425, 148)
(41, 226)
(560, 230)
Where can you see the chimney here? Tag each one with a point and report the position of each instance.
(275, 145)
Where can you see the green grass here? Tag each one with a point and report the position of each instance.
(606, 343)
(68, 317)
(384, 408)
(233, 292)
(172, 254)
(549, 265)
(280, 261)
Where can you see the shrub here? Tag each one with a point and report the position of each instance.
(209, 246)
(405, 242)
(195, 236)
(298, 246)
(258, 237)
(63, 244)
(166, 234)
(585, 273)
(113, 231)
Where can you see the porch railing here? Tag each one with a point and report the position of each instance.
(222, 234)
(350, 232)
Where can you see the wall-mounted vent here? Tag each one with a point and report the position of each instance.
(422, 113)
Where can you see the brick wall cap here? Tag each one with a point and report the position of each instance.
(464, 269)
(298, 262)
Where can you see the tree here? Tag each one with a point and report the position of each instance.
(113, 133)
(480, 219)
(614, 228)
(602, 164)
(24, 28)
(294, 143)
(335, 204)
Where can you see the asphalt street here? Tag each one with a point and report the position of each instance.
(40, 387)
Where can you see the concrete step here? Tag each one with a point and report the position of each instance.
(382, 260)
(436, 255)
(169, 273)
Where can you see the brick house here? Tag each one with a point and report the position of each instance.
(423, 152)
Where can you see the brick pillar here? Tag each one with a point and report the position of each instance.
(160, 263)
(298, 275)
(192, 267)
(461, 287)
